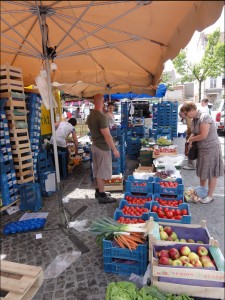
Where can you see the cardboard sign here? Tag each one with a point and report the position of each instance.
(46, 128)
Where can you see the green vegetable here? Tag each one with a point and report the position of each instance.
(154, 292)
(121, 291)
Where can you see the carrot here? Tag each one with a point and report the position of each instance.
(119, 242)
(125, 241)
(135, 239)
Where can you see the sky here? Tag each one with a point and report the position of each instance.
(193, 42)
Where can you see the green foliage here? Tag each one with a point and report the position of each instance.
(122, 290)
(211, 65)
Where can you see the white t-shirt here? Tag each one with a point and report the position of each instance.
(62, 132)
(204, 109)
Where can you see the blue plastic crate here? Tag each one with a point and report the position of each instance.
(137, 196)
(134, 185)
(112, 249)
(186, 219)
(177, 197)
(179, 190)
(30, 196)
(118, 266)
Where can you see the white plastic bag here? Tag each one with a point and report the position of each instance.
(79, 225)
(60, 264)
(175, 160)
(42, 84)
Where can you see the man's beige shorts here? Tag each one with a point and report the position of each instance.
(102, 163)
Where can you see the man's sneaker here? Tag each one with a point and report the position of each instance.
(106, 199)
(97, 195)
(188, 168)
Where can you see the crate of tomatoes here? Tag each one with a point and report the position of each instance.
(137, 199)
(180, 214)
(174, 187)
(120, 217)
(164, 201)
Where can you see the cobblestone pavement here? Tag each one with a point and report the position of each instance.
(85, 279)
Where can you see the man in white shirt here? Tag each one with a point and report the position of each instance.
(77, 114)
(63, 129)
(204, 106)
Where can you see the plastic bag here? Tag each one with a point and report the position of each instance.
(201, 191)
(175, 160)
(60, 264)
(141, 281)
(190, 195)
(42, 84)
(79, 225)
(142, 175)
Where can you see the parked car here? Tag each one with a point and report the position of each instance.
(221, 127)
(217, 112)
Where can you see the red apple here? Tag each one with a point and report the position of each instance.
(164, 260)
(185, 250)
(202, 251)
(205, 258)
(209, 264)
(177, 263)
(174, 253)
(168, 230)
(163, 253)
(196, 263)
(184, 259)
(190, 241)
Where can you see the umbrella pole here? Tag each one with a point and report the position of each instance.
(64, 224)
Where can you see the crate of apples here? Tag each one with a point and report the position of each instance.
(185, 257)
(168, 234)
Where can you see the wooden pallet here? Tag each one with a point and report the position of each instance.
(10, 72)
(7, 206)
(20, 281)
(13, 96)
(11, 79)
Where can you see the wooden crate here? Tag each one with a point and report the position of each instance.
(114, 184)
(164, 154)
(196, 282)
(20, 281)
(11, 79)
(7, 206)
(142, 169)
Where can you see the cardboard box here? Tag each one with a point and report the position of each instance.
(197, 282)
(142, 169)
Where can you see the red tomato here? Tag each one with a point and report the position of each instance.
(160, 214)
(178, 217)
(177, 212)
(154, 208)
(166, 209)
(184, 212)
(169, 214)
(180, 201)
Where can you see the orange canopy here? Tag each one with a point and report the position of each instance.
(124, 43)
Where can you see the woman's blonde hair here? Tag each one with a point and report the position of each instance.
(188, 106)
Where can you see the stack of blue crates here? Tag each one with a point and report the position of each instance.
(44, 168)
(120, 138)
(8, 184)
(34, 126)
(161, 131)
(124, 114)
(165, 114)
(133, 147)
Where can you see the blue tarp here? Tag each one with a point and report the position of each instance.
(160, 92)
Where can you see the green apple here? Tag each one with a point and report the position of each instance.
(174, 236)
(177, 263)
(183, 241)
(163, 235)
(160, 228)
(193, 255)
(188, 265)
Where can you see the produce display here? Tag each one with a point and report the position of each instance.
(163, 202)
(169, 213)
(167, 150)
(147, 141)
(114, 180)
(124, 290)
(134, 211)
(130, 240)
(165, 174)
(137, 200)
(163, 141)
(167, 234)
(185, 257)
(123, 220)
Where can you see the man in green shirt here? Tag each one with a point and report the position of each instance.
(102, 144)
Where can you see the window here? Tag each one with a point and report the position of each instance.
(212, 83)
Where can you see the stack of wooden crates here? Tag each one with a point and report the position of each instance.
(11, 87)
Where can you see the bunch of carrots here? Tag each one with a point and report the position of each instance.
(130, 241)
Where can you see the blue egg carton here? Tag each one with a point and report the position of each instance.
(24, 226)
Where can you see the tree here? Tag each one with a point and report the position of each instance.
(211, 64)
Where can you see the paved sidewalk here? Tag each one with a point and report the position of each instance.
(85, 279)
